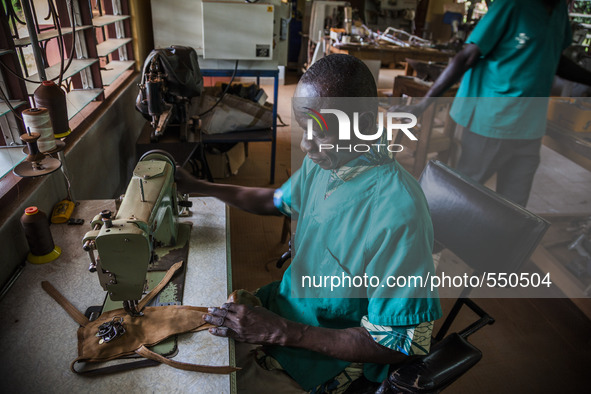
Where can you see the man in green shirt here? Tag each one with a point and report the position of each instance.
(508, 66)
(357, 214)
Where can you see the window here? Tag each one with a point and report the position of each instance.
(83, 46)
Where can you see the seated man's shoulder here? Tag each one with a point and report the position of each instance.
(401, 191)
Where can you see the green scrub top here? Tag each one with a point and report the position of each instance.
(521, 44)
(377, 224)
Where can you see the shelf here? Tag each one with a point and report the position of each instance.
(47, 35)
(4, 108)
(5, 51)
(104, 20)
(114, 69)
(10, 157)
(78, 99)
(578, 15)
(111, 45)
(53, 71)
(256, 135)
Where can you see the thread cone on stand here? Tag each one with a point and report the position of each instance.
(36, 163)
(36, 226)
(37, 120)
(49, 95)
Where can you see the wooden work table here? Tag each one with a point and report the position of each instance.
(391, 54)
(575, 146)
(38, 340)
(552, 254)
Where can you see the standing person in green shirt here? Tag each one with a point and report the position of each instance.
(508, 66)
(357, 214)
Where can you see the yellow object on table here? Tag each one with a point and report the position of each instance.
(62, 211)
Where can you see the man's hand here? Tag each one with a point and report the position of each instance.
(415, 109)
(255, 325)
(258, 325)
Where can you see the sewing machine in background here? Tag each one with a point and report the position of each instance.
(134, 244)
(171, 78)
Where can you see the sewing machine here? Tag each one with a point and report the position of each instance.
(171, 78)
(147, 218)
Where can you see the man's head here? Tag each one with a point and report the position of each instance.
(330, 78)
(337, 76)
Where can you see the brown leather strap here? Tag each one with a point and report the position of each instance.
(69, 308)
(142, 304)
(128, 366)
(147, 353)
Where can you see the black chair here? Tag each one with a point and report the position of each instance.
(485, 230)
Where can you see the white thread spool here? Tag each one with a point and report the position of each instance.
(37, 121)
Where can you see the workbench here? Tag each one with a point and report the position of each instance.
(552, 254)
(391, 54)
(265, 135)
(38, 340)
(575, 146)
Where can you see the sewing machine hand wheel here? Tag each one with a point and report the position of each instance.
(159, 154)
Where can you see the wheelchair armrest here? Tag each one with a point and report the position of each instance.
(447, 361)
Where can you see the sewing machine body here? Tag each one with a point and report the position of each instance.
(171, 79)
(147, 218)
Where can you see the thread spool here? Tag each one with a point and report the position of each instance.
(34, 156)
(49, 95)
(37, 120)
(36, 163)
(41, 246)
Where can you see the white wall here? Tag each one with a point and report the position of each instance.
(178, 22)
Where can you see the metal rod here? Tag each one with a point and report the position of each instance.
(62, 158)
(26, 4)
(142, 191)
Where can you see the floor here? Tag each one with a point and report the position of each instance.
(535, 345)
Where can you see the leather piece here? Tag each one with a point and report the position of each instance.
(244, 297)
(488, 232)
(157, 324)
(148, 297)
(121, 367)
(147, 353)
(64, 303)
(447, 361)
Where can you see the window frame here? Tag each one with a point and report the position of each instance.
(12, 187)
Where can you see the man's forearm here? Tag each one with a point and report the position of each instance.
(351, 344)
(462, 62)
(259, 325)
(256, 200)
